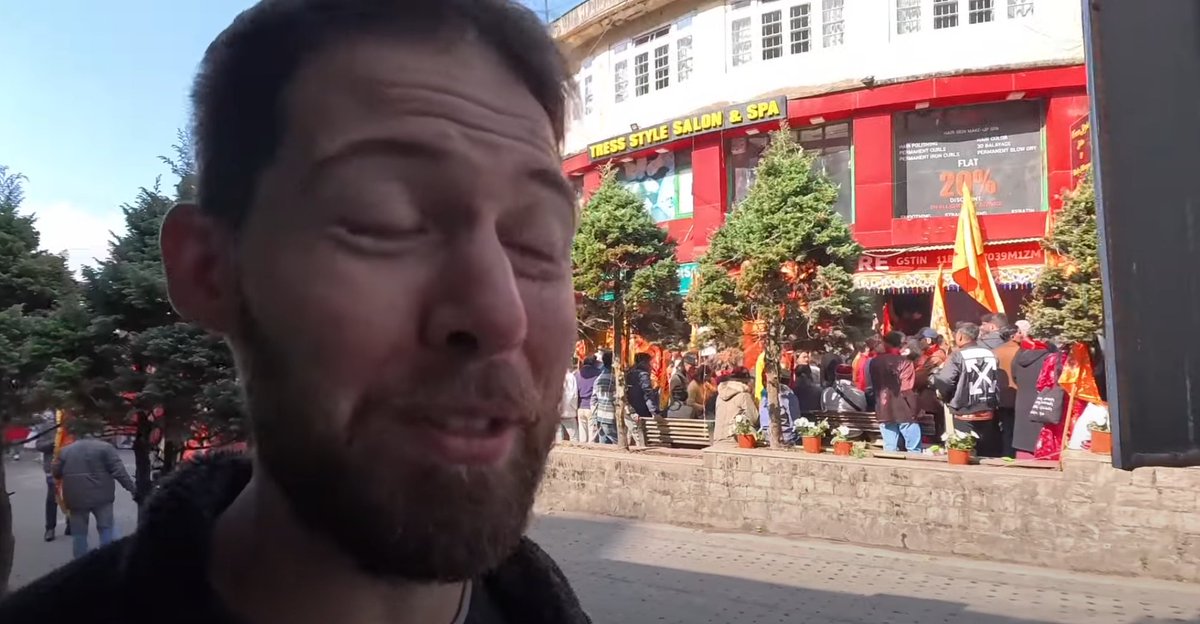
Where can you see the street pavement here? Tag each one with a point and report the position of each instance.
(629, 572)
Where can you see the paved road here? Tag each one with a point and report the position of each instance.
(630, 573)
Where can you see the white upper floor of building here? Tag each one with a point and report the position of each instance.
(644, 61)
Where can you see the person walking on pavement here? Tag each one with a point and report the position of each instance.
(968, 383)
(45, 446)
(89, 469)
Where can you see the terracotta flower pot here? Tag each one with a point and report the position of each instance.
(746, 440)
(959, 457)
(1102, 442)
(812, 445)
(842, 448)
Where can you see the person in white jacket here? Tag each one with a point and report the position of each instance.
(568, 428)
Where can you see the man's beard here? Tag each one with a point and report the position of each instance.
(393, 515)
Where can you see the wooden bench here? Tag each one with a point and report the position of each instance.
(676, 432)
(867, 422)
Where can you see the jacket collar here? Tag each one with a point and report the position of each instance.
(167, 559)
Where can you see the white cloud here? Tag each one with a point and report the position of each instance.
(81, 234)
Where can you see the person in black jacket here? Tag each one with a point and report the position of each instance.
(382, 234)
(640, 394)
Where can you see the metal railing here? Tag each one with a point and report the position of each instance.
(583, 14)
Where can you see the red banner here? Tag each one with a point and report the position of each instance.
(1081, 148)
(1017, 254)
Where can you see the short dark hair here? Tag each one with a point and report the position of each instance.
(606, 359)
(999, 319)
(642, 358)
(970, 330)
(237, 96)
(894, 339)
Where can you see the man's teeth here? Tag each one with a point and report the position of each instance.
(460, 424)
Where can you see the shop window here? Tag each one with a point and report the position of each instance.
(994, 150)
(829, 144)
(980, 11)
(908, 16)
(1020, 8)
(801, 32)
(945, 14)
(663, 182)
(833, 23)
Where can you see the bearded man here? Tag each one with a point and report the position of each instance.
(383, 236)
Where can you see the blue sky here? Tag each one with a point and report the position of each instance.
(92, 92)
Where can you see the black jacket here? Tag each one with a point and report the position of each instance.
(158, 574)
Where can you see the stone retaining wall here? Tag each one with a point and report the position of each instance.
(1089, 517)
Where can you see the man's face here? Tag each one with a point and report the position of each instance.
(961, 340)
(406, 309)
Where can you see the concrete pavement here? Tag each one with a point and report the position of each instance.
(629, 572)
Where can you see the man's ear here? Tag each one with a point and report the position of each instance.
(199, 257)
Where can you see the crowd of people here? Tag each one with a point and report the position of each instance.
(986, 383)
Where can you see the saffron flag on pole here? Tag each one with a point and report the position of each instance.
(939, 321)
(970, 269)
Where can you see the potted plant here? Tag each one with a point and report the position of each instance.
(744, 431)
(841, 441)
(1101, 437)
(812, 433)
(860, 450)
(961, 446)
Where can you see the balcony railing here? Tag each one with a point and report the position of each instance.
(584, 14)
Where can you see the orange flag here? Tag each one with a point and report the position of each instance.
(938, 319)
(885, 321)
(970, 270)
(1078, 378)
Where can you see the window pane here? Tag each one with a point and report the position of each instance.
(833, 27)
(683, 51)
(663, 182)
(994, 150)
(740, 41)
(945, 14)
(662, 67)
(587, 95)
(831, 146)
(800, 32)
(1020, 8)
(772, 35)
(908, 16)
(621, 80)
(980, 11)
(641, 74)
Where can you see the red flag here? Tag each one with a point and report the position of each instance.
(885, 323)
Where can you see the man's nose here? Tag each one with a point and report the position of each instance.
(478, 309)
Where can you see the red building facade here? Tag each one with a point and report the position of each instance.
(900, 152)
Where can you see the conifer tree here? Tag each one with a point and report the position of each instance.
(1067, 299)
(626, 275)
(784, 261)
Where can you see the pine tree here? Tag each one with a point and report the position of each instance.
(783, 260)
(1067, 299)
(626, 273)
(32, 284)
